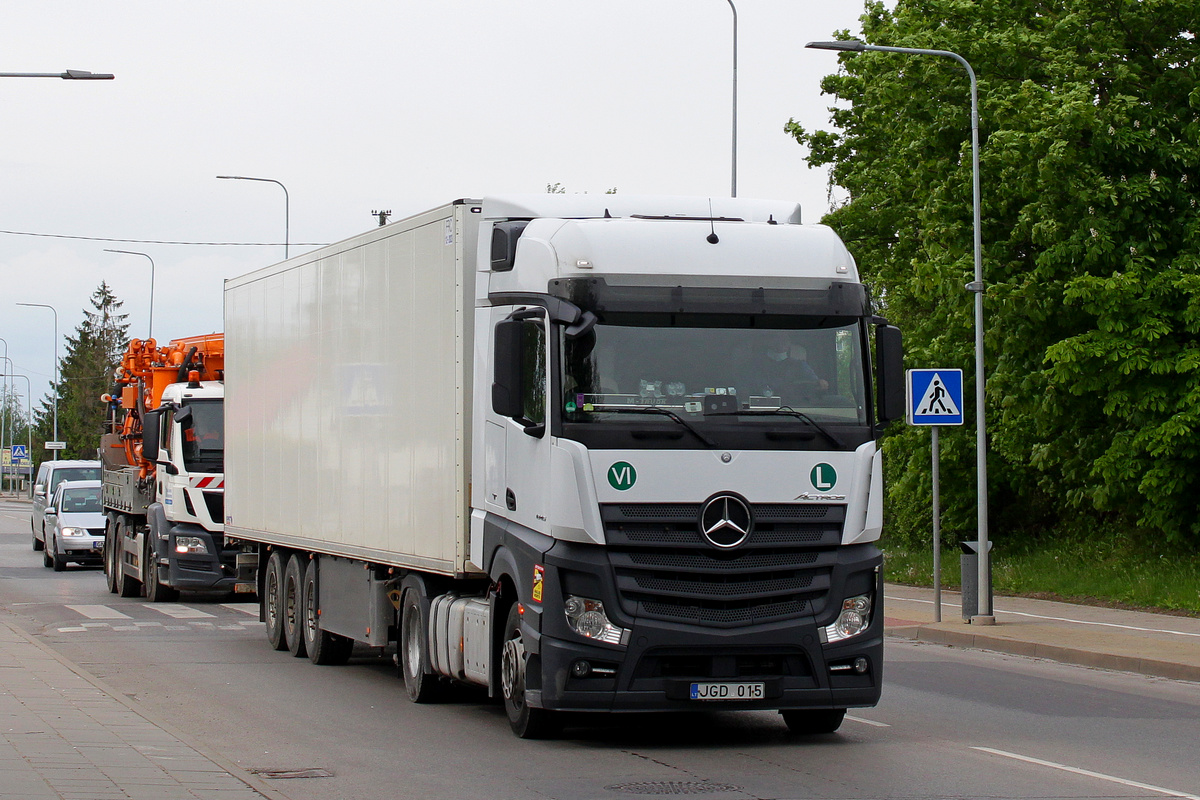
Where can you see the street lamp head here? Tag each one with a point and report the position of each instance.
(84, 75)
(850, 45)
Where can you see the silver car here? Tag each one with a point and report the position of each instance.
(74, 525)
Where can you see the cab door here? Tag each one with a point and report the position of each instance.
(522, 357)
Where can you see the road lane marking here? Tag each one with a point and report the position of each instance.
(99, 612)
(868, 722)
(1055, 619)
(245, 608)
(1088, 773)
(180, 612)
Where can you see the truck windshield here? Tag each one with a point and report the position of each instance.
(718, 369)
(204, 437)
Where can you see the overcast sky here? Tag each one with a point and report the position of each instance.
(358, 106)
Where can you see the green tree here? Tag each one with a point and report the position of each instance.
(85, 373)
(1090, 163)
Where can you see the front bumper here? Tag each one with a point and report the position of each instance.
(215, 570)
(82, 549)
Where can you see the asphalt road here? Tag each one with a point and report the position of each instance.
(952, 723)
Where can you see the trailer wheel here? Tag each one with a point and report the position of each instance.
(293, 579)
(126, 586)
(526, 722)
(323, 647)
(111, 565)
(155, 591)
(421, 686)
(273, 601)
(815, 721)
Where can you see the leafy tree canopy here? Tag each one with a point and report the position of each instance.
(1090, 153)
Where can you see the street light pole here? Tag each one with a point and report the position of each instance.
(53, 311)
(984, 608)
(286, 203)
(150, 327)
(28, 416)
(733, 161)
(69, 75)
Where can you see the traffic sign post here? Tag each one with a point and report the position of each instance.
(935, 398)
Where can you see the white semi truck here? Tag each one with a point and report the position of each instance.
(595, 453)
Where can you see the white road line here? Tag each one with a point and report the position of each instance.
(245, 608)
(870, 722)
(1088, 773)
(176, 611)
(99, 612)
(1059, 619)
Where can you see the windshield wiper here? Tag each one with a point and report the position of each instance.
(666, 412)
(784, 411)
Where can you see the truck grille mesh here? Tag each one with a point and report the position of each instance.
(665, 569)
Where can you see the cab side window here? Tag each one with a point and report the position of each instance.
(533, 367)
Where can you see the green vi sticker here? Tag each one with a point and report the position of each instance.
(622, 476)
(823, 477)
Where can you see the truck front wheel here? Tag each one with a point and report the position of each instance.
(273, 601)
(526, 722)
(155, 591)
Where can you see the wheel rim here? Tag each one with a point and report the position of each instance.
(272, 597)
(310, 613)
(512, 671)
(412, 646)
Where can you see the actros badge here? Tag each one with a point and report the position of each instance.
(726, 521)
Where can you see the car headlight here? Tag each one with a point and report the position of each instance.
(192, 545)
(75, 532)
(854, 618)
(587, 618)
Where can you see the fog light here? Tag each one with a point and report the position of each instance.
(581, 669)
(860, 665)
(192, 545)
(587, 618)
(854, 618)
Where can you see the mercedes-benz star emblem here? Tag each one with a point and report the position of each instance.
(726, 521)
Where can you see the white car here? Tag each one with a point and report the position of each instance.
(74, 525)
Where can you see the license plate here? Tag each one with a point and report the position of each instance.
(728, 691)
(97, 547)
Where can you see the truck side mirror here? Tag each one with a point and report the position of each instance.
(507, 389)
(151, 428)
(889, 373)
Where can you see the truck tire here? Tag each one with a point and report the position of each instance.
(526, 722)
(323, 647)
(127, 586)
(293, 579)
(814, 721)
(111, 566)
(413, 652)
(155, 592)
(272, 600)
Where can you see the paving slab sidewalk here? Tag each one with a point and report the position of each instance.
(1160, 645)
(65, 735)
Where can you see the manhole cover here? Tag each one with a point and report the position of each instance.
(672, 787)
(312, 772)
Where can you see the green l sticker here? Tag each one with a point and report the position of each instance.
(622, 476)
(823, 477)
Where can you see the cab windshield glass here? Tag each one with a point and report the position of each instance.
(204, 437)
(705, 368)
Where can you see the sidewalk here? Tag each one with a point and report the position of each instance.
(1130, 641)
(64, 735)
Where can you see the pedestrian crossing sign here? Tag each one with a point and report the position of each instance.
(935, 397)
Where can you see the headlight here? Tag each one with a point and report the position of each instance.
(853, 619)
(190, 544)
(75, 532)
(587, 618)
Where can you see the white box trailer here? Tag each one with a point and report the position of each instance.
(596, 453)
(349, 395)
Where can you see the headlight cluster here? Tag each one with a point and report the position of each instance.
(853, 619)
(587, 618)
(192, 545)
(75, 532)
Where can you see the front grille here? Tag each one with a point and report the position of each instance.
(95, 531)
(665, 569)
